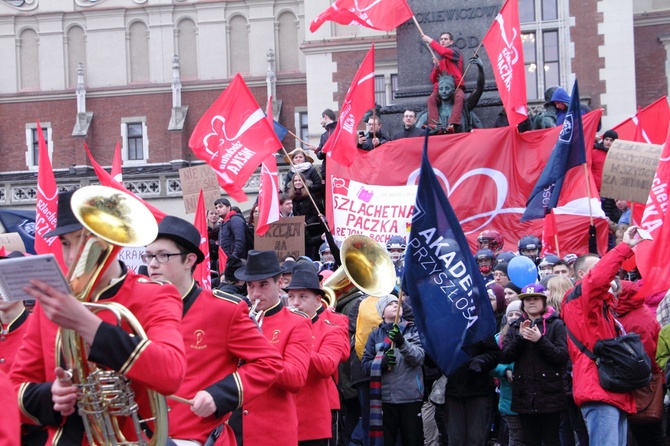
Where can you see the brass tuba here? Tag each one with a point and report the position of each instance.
(106, 399)
(366, 267)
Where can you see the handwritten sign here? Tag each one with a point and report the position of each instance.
(195, 178)
(629, 170)
(286, 237)
(131, 257)
(12, 241)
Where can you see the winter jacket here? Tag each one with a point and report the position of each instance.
(539, 367)
(233, 236)
(404, 382)
(465, 383)
(560, 95)
(636, 317)
(598, 156)
(505, 396)
(583, 310)
(412, 132)
(330, 128)
(312, 175)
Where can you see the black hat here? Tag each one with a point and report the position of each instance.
(260, 265)
(288, 266)
(13, 255)
(611, 134)
(183, 233)
(66, 222)
(305, 278)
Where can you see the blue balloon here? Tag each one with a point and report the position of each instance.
(522, 271)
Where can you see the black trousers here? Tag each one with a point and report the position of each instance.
(406, 419)
(541, 429)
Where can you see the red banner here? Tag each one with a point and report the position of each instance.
(503, 44)
(549, 235)
(651, 123)
(268, 194)
(202, 273)
(47, 203)
(234, 137)
(384, 15)
(360, 98)
(488, 175)
(117, 171)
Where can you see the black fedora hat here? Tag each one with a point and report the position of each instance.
(183, 233)
(260, 265)
(305, 278)
(66, 222)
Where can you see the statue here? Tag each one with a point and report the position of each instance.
(446, 89)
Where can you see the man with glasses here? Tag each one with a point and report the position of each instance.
(218, 335)
(409, 129)
(373, 137)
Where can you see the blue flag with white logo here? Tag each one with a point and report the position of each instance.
(569, 152)
(448, 296)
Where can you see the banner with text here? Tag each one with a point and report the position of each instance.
(285, 236)
(373, 210)
(195, 178)
(629, 170)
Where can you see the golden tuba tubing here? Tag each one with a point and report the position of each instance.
(106, 399)
(366, 267)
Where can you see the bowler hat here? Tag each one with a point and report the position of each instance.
(183, 233)
(66, 222)
(305, 278)
(260, 265)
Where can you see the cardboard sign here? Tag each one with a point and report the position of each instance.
(195, 178)
(12, 241)
(629, 170)
(286, 237)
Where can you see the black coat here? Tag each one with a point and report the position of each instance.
(311, 175)
(539, 367)
(464, 383)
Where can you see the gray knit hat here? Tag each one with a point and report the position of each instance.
(384, 302)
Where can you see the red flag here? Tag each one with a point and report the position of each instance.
(503, 44)
(223, 259)
(107, 180)
(117, 172)
(234, 138)
(655, 117)
(649, 255)
(47, 204)
(384, 15)
(268, 197)
(3, 253)
(360, 98)
(202, 273)
(549, 235)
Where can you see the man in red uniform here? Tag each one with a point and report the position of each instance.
(314, 416)
(451, 63)
(9, 427)
(46, 395)
(218, 335)
(273, 415)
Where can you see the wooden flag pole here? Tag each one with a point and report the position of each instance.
(416, 22)
(558, 251)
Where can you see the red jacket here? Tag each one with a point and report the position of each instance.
(342, 323)
(157, 363)
(582, 311)
(636, 317)
(451, 63)
(597, 163)
(10, 425)
(11, 340)
(314, 419)
(273, 414)
(219, 335)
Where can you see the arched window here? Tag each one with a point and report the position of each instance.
(138, 45)
(76, 53)
(287, 42)
(238, 45)
(29, 60)
(187, 50)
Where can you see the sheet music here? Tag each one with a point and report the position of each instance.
(16, 273)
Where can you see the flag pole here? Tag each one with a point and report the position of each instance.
(558, 251)
(416, 22)
(476, 54)
(588, 191)
(397, 316)
(318, 211)
(298, 138)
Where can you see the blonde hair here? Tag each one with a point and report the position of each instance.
(557, 286)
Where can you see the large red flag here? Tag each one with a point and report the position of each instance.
(503, 44)
(651, 122)
(550, 235)
(234, 137)
(107, 180)
(117, 172)
(202, 273)
(268, 196)
(384, 15)
(650, 255)
(47, 203)
(360, 98)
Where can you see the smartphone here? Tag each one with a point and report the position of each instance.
(644, 234)
(361, 133)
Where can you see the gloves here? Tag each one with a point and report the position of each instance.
(388, 360)
(476, 365)
(396, 336)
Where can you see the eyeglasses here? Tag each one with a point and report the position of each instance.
(162, 257)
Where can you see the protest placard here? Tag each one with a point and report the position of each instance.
(286, 237)
(629, 170)
(195, 178)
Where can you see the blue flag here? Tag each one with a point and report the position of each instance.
(569, 152)
(448, 295)
(280, 130)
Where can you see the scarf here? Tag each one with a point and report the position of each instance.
(376, 424)
(302, 167)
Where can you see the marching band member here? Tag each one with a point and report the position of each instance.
(218, 335)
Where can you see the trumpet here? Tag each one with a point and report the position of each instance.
(256, 315)
(106, 399)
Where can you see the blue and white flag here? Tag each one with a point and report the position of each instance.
(448, 295)
(569, 152)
